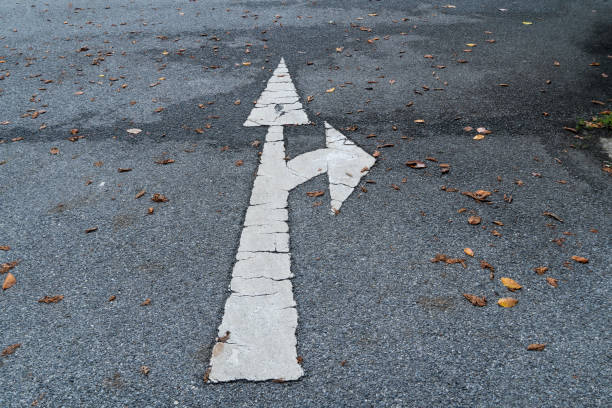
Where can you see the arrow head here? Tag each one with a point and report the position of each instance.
(347, 163)
(279, 103)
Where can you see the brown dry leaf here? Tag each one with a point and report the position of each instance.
(428, 56)
(51, 299)
(159, 109)
(146, 302)
(207, 374)
(309, 98)
(159, 198)
(237, 102)
(474, 220)
(419, 121)
(300, 360)
(164, 161)
(112, 298)
(92, 229)
(468, 251)
(511, 284)
(9, 281)
(54, 150)
(239, 163)
(315, 193)
(446, 259)
(541, 270)
(483, 131)
(74, 131)
(580, 259)
(476, 300)
(478, 137)
(10, 349)
(478, 195)
(124, 169)
(150, 210)
(416, 164)
(98, 163)
(134, 131)
(501, 224)
(552, 281)
(376, 153)
(395, 186)
(7, 266)
(507, 302)
(330, 90)
(5, 248)
(144, 370)
(468, 129)
(552, 215)
(536, 347)
(140, 194)
(224, 338)
(486, 265)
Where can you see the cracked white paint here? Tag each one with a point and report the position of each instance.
(260, 313)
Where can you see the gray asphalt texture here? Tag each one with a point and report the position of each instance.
(379, 324)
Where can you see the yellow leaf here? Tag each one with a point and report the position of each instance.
(527, 22)
(470, 44)
(9, 281)
(164, 52)
(468, 251)
(330, 90)
(246, 64)
(507, 302)
(511, 284)
(479, 137)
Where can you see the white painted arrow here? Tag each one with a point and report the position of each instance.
(257, 334)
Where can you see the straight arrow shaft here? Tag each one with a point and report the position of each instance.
(260, 313)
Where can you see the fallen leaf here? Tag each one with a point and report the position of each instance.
(224, 338)
(468, 251)
(484, 131)
(428, 56)
(478, 137)
(580, 259)
(239, 163)
(5, 248)
(124, 169)
(395, 186)
(207, 374)
(134, 131)
(470, 44)
(416, 164)
(478, 195)
(315, 193)
(159, 198)
(158, 109)
(164, 161)
(540, 270)
(552, 281)
(112, 298)
(150, 210)
(146, 302)
(98, 163)
(527, 23)
(9, 281)
(330, 90)
(536, 347)
(419, 121)
(507, 302)
(54, 150)
(140, 194)
(51, 299)
(476, 300)
(10, 349)
(474, 220)
(511, 284)
(552, 215)
(446, 259)
(144, 370)
(468, 128)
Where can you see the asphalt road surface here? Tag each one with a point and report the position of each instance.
(379, 323)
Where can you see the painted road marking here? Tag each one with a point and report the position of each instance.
(260, 313)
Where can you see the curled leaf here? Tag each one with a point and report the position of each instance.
(468, 251)
(476, 300)
(536, 347)
(580, 259)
